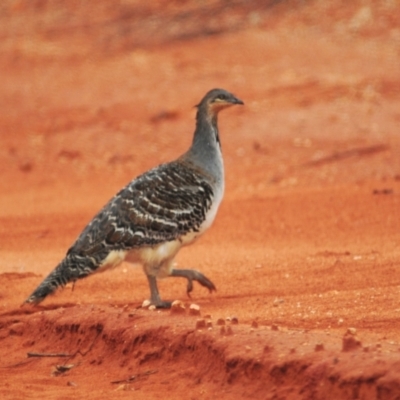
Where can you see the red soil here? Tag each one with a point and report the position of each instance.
(305, 246)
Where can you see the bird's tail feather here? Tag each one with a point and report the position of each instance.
(70, 269)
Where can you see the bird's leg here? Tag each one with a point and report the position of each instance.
(155, 295)
(193, 275)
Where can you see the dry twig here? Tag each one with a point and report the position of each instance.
(34, 354)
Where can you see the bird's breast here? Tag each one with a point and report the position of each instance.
(209, 218)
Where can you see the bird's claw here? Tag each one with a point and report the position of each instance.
(189, 287)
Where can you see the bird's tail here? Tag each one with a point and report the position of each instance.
(70, 269)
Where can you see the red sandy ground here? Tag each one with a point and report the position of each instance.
(306, 243)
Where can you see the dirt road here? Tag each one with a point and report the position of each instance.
(305, 251)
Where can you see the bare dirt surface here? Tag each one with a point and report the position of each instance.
(305, 251)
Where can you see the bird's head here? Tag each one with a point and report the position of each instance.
(216, 100)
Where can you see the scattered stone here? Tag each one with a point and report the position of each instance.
(234, 321)
(319, 347)
(152, 307)
(274, 327)
(350, 342)
(207, 316)
(70, 383)
(61, 369)
(351, 331)
(177, 307)
(200, 323)
(220, 321)
(276, 302)
(267, 349)
(226, 330)
(124, 387)
(228, 319)
(248, 348)
(254, 324)
(146, 303)
(292, 350)
(194, 309)
(209, 324)
(366, 349)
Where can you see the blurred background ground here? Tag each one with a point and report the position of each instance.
(94, 93)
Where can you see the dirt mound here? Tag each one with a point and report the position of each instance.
(134, 349)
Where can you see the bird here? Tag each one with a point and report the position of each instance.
(155, 215)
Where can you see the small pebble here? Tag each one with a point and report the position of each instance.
(254, 324)
(146, 303)
(177, 307)
(152, 307)
(350, 342)
(267, 349)
(220, 321)
(274, 327)
(234, 321)
(352, 331)
(200, 323)
(276, 302)
(319, 347)
(194, 309)
(124, 386)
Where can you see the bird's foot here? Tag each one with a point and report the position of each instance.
(155, 299)
(162, 304)
(157, 303)
(193, 275)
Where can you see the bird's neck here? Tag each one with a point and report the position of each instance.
(205, 150)
(206, 134)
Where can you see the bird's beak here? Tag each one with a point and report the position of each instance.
(235, 100)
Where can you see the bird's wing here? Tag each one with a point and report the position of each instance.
(160, 205)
